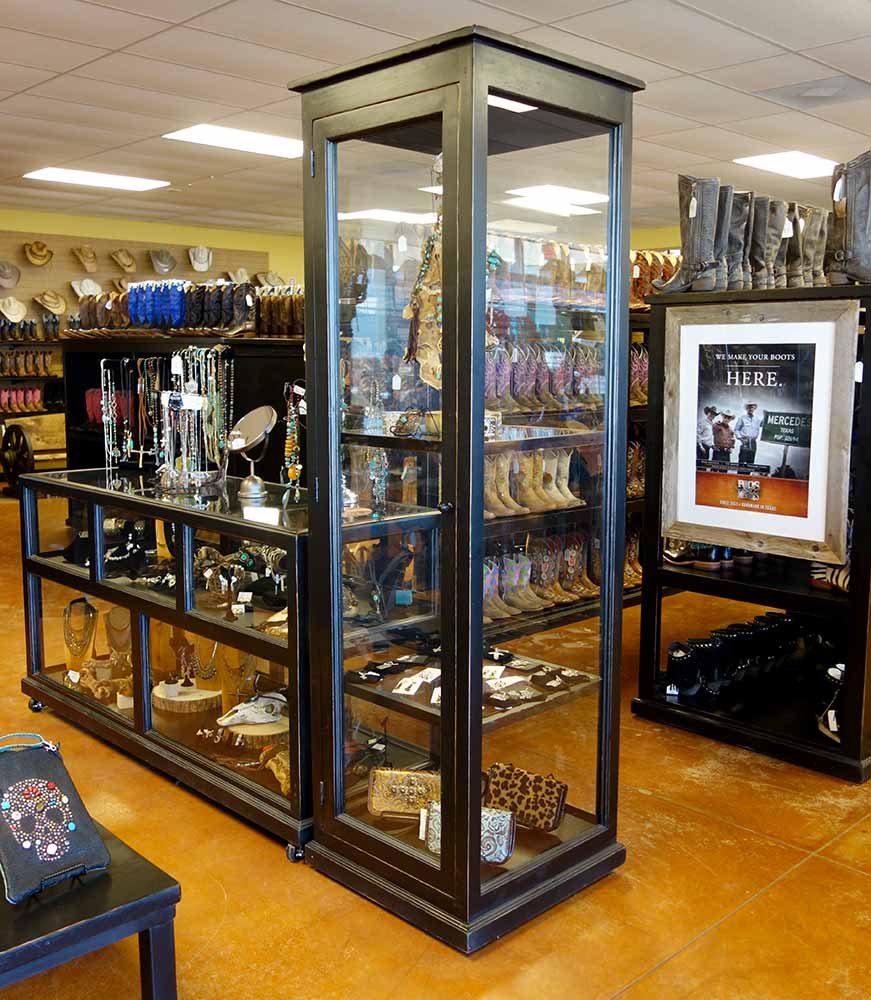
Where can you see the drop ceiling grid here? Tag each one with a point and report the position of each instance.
(133, 69)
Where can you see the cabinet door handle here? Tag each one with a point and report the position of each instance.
(446, 508)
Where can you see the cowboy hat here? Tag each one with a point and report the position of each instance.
(162, 261)
(10, 275)
(38, 253)
(266, 278)
(124, 259)
(53, 301)
(87, 286)
(239, 276)
(120, 284)
(201, 258)
(13, 309)
(87, 257)
(728, 414)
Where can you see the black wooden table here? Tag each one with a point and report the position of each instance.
(132, 897)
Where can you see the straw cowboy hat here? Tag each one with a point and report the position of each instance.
(239, 276)
(10, 275)
(87, 257)
(38, 253)
(53, 301)
(124, 259)
(13, 309)
(87, 286)
(201, 258)
(162, 261)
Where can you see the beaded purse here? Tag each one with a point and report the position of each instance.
(46, 834)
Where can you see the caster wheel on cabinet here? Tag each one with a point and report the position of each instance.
(35, 705)
(295, 853)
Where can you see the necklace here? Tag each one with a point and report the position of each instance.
(79, 642)
(117, 635)
(292, 463)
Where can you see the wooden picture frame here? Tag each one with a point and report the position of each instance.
(816, 526)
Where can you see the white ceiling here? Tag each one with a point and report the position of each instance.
(94, 85)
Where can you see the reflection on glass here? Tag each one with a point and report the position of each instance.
(225, 704)
(87, 647)
(63, 532)
(139, 552)
(547, 193)
(390, 329)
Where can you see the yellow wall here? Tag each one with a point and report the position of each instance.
(285, 252)
(664, 238)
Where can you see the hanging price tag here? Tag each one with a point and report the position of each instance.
(636, 271)
(402, 244)
(838, 193)
(694, 207)
(396, 383)
(787, 230)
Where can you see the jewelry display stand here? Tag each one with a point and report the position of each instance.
(173, 634)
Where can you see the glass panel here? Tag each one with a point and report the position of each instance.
(63, 531)
(87, 647)
(546, 264)
(139, 552)
(242, 583)
(389, 270)
(225, 704)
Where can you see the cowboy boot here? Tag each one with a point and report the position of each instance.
(698, 220)
(503, 486)
(538, 474)
(810, 235)
(851, 198)
(550, 463)
(492, 503)
(741, 203)
(758, 266)
(721, 236)
(527, 495)
(780, 262)
(834, 239)
(524, 589)
(819, 274)
(564, 461)
(774, 237)
(797, 217)
(37, 400)
(640, 274)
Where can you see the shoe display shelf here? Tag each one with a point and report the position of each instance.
(130, 636)
(817, 657)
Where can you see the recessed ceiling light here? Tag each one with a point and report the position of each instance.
(550, 206)
(804, 166)
(237, 138)
(390, 215)
(553, 192)
(89, 178)
(433, 189)
(521, 226)
(507, 105)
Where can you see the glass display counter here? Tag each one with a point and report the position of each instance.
(174, 627)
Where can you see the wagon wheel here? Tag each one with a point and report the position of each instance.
(16, 456)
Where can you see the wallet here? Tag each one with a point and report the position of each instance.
(402, 793)
(498, 830)
(538, 801)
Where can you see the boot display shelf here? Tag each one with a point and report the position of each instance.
(777, 713)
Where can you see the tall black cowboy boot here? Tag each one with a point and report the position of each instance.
(758, 265)
(851, 197)
(774, 237)
(721, 236)
(741, 203)
(698, 218)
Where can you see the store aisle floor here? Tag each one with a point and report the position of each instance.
(746, 878)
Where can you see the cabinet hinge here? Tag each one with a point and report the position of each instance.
(311, 160)
(323, 794)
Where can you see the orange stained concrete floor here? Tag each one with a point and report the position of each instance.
(745, 879)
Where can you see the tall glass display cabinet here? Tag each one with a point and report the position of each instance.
(466, 298)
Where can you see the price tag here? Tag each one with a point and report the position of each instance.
(239, 609)
(245, 597)
(396, 382)
(422, 831)
(859, 370)
(436, 697)
(636, 271)
(833, 720)
(838, 193)
(408, 686)
(402, 244)
(492, 671)
(694, 207)
(802, 222)
(73, 676)
(249, 301)
(787, 230)
(429, 675)
(176, 366)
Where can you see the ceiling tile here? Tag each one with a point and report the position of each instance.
(851, 57)
(260, 121)
(716, 143)
(97, 94)
(289, 107)
(166, 10)
(763, 74)
(664, 157)
(700, 99)
(45, 53)
(127, 126)
(852, 114)
(693, 42)
(795, 24)
(548, 10)
(13, 78)
(603, 55)
(78, 21)
(202, 49)
(183, 81)
(647, 121)
(16, 129)
(794, 130)
(292, 29)
(420, 20)
(25, 193)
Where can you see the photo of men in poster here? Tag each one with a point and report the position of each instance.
(753, 435)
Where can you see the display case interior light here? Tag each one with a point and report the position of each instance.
(239, 139)
(390, 215)
(90, 178)
(508, 105)
(794, 163)
(550, 206)
(557, 193)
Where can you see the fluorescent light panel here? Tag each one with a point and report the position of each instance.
(90, 178)
(390, 215)
(550, 207)
(556, 193)
(237, 138)
(794, 163)
(508, 105)
(521, 226)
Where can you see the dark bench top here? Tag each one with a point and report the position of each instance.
(79, 916)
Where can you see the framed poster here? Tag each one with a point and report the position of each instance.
(757, 425)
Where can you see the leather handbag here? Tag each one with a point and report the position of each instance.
(538, 801)
(402, 793)
(498, 830)
(46, 834)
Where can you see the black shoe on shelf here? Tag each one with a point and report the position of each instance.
(676, 553)
(708, 558)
